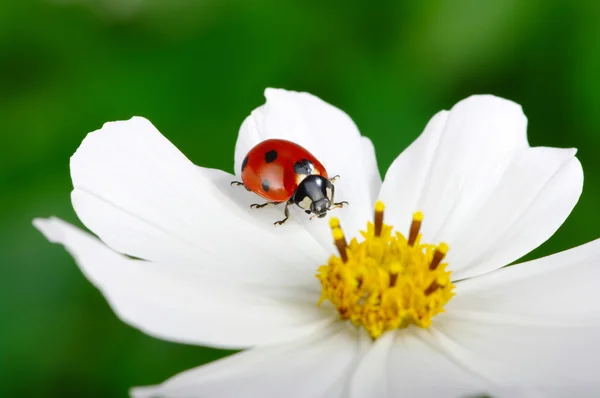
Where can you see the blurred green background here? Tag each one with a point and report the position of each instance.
(196, 69)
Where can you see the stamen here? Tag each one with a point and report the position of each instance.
(339, 238)
(340, 243)
(334, 222)
(415, 227)
(438, 256)
(432, 288)
(379, 207)
(384, 281)
(440, 283)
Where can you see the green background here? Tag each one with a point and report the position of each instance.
(196, 69)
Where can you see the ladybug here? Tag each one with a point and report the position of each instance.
(281, 171)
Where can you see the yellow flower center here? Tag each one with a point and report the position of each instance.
(387, 281)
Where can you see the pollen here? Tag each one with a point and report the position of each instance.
(386, 281)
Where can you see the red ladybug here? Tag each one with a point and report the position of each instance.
(281, 171)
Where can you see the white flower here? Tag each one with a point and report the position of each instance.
(181, 256)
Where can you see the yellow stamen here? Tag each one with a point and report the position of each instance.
(386, 281)
(438, 256)
(334, 222)
(432, 288)
(379, 208)
(338, 238)
(415, 227)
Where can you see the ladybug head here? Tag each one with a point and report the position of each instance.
(314, 195)
(320, 207)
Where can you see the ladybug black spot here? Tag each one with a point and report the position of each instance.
(304, 167)
(265, 185)
(270, 156)
(244, 163)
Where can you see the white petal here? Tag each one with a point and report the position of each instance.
(563, 285)
(330, 135)
(183, 305)
(312, 367)
(407, 364)
(481, 187)
(143, 198)
(523, 356)
(535, 324)
(371, 169)
(426, 363)
(370, 377)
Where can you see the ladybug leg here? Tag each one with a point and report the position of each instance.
(286, 211)
(260, 206)
(339, 205)
(334, 178)
(238, 183)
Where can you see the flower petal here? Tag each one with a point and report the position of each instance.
(312, 367)
(404, 364)
(371, 169)
(524, 356)
(143, 198)
(481, 187)
(535, 324)
(433, 365)
(330, 135)
(415, 362)
(370, 376)
(562, 286)
(184, 305)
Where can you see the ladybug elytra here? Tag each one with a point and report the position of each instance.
(281, 171)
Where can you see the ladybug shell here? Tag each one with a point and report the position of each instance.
(274, 168)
